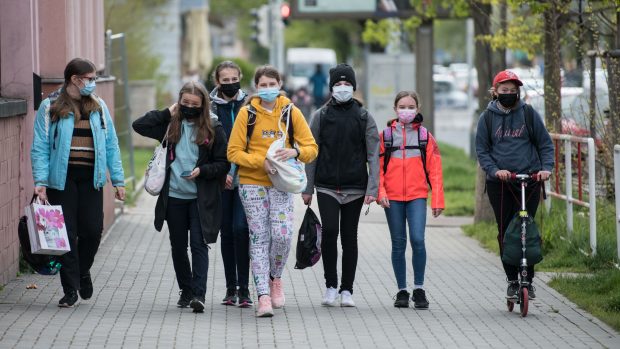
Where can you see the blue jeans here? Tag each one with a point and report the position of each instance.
(398, 215)
(182, 215)
(235, 242)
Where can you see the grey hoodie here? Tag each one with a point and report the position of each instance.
(510, 147)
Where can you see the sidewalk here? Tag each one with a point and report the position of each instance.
(134, 304)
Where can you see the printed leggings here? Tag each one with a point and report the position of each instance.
(270, 219)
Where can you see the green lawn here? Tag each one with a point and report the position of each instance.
(142, 156)
(459, 178)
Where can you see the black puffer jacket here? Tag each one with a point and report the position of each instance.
(213, 168)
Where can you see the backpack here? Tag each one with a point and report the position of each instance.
(511, 251)
(286, 111)
(308, 241)
(389, 149)
(40, 263)
(529, 123)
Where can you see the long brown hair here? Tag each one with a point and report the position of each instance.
(400, 95)
(64, 104)
(205, 133)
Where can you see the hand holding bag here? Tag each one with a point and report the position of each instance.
(46, 228)
(289, 175)
(155, 174)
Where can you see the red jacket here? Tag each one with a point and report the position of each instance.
(405, 179)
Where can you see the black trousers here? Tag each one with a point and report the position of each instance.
(182, 216)
(505, 199)
(235, 240)
(82, 206)
(343, 219)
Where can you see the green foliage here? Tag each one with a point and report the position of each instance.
(523, 33)
(598, 294)
(230, 8)
(135, 18)
(247, 72)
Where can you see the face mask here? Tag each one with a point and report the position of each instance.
(189, 112)
(88, 88)
(508, 99)
(268, 94)
(406, 116)
(342, 93)
(230, 90)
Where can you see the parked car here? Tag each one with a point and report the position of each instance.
(447, 95)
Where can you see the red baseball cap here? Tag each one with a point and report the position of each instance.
(506, 75)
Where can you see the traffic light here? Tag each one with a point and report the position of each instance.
(285, 12)
(260, 25)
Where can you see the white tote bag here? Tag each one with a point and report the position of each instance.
(290, 175)
(46, 228)
(155, 174)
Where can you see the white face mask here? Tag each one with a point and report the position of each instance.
(342, 93)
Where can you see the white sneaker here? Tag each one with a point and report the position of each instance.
(329, 299)
(346, 299)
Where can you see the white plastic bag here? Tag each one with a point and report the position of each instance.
(290, 175)
(155, 174)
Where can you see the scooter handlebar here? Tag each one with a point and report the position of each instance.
(520, 176)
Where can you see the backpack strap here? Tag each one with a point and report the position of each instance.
(488, 121)
(251, 123)
(528, 111)
(388, 148)
(287, 113)
(422, 142)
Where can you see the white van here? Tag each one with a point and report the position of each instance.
(301, 64)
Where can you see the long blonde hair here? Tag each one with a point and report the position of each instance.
(204, 132)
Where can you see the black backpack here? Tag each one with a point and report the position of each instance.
(389, 149)
(308, 241)
(40, 263)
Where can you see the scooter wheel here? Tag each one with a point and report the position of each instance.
(524, 295)
(510, 305)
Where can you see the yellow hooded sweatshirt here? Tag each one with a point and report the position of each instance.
(266, 131)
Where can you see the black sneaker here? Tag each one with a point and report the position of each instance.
(184, 299)
(68, 300)
(512, 292)
(419, 299)
(86, 287)
(231, 297)
(198, 304)
(531, 291)
(244, 298)
(402, 299)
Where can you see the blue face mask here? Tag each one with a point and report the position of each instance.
(88, 88)
(269, 94)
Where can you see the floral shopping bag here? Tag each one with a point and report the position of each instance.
(46, 228)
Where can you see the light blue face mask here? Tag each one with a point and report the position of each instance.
(88, 88)
(268, 94)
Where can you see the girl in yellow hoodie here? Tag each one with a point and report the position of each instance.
(269, 211)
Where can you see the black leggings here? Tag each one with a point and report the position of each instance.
(82, 207)
(505, 199)
(333, 216)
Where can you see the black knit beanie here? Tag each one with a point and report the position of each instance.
(342, 72)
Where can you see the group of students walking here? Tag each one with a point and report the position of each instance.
(217, 180)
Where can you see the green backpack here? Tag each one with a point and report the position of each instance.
(512, 242)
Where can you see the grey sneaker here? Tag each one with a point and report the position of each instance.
(512, 292)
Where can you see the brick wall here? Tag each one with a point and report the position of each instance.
(10, 209)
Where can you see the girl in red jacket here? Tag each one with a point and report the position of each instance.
(410, 166)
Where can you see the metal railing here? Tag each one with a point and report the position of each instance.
(554, 191)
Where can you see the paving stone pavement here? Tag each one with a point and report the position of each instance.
(134, 303)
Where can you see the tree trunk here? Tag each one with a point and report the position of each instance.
(553, 98)
(483, 61)
(499, 56)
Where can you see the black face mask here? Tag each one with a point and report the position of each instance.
(508, 100)
(189, 112)
(230, 90)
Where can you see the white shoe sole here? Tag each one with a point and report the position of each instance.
(347, 305)
(328, 304)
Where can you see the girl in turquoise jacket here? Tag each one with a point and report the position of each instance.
(73, 146)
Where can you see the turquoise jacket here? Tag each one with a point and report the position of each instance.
(52, 142)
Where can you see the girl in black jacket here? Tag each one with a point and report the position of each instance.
(196, 167)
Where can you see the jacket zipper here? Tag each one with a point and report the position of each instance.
(404, 149)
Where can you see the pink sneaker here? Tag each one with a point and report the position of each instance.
(264, 307)
(277, 295)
